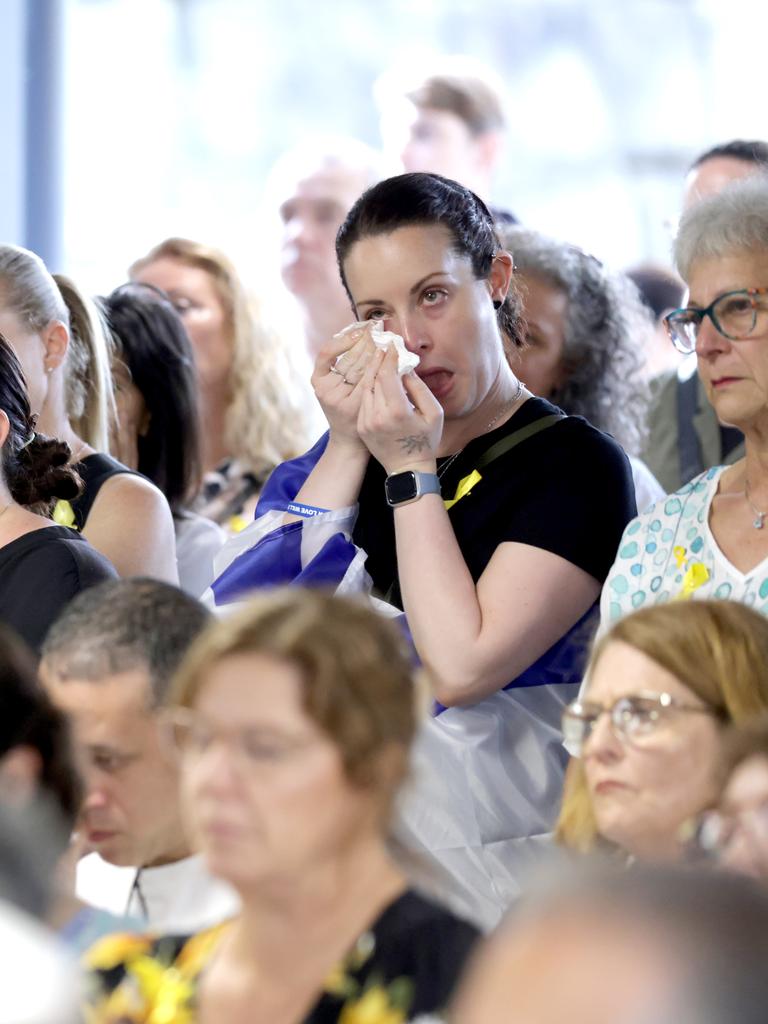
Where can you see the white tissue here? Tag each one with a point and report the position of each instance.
(406, 361)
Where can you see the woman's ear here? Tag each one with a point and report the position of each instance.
(55, 337)
(500, 276)
(5, 427)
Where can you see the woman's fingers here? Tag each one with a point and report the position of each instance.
(421, 397)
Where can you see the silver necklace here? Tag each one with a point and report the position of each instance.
(759, 521)
(504, 409)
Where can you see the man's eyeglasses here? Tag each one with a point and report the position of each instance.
(736, 315)
(634, 719)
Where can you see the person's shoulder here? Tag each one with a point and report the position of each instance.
(67, 560)
(416, 915)
(70, 549)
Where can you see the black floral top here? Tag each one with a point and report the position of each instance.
(406, 965)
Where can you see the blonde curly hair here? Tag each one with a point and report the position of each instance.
(267, 421)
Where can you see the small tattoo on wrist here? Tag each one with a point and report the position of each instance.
(414, 443)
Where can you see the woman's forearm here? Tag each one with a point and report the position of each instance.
(439, 595)
(336, 479)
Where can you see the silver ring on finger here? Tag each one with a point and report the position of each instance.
(340, 374)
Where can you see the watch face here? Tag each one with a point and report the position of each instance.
(401, 487)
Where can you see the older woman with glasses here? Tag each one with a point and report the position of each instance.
(647, 733)
(709, 538)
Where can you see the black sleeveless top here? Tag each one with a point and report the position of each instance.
(94, 471)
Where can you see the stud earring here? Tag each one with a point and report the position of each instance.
(497, 303)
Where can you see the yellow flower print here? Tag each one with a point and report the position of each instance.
(115, 949)
(373, 1007)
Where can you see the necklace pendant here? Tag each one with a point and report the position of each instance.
(759, 519)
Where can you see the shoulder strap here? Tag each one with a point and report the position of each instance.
(517, 437)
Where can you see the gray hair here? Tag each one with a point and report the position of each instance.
(120, 625)
(731, 221)
(607, 327)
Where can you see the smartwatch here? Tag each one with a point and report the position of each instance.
(403, 488)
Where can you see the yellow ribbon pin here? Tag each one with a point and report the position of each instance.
(64, 514)
(465, 486)
(696, 576)
(679, 554)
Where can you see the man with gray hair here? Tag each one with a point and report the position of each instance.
(107, 662)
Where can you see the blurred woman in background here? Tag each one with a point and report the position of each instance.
(157, 424)
(293, 722)
(586, 332)
(59, 341)
(254, 409)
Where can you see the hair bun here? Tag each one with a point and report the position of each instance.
(44, 473)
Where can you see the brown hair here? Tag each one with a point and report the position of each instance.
(358, 682)
(744, 742)
(719, 649)
(34, 467)
(266, 421)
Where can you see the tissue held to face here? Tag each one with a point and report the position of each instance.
(366, 338)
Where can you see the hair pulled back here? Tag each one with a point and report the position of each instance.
(35, 467)
(430, 199)
(38, 298)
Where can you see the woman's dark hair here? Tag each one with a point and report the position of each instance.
(153, 344)
(29, 719)
(34, 467)
(431, 199)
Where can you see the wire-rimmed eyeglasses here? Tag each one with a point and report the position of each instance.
(736, 315)
(634, 718)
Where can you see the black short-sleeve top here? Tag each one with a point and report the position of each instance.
(40, 572)
(405, 965)
(568, 489)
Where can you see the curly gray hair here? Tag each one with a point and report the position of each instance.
(607, 327)
(733, 220)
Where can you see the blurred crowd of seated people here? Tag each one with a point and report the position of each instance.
(424, 683)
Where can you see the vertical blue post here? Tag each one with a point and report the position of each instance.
(43, 221)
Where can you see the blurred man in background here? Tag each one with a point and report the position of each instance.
(313, 187)
(447, 118)
(107, 664)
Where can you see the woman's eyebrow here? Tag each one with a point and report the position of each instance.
(419, 284)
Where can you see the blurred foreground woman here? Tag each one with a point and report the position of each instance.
(293, 723)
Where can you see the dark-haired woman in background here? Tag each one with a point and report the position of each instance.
(42, 566)
(157, 428)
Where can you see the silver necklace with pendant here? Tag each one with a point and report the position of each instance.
(759, 521)
(494, 421)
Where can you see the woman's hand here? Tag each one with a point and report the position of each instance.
(400, 420)
(338, 384)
